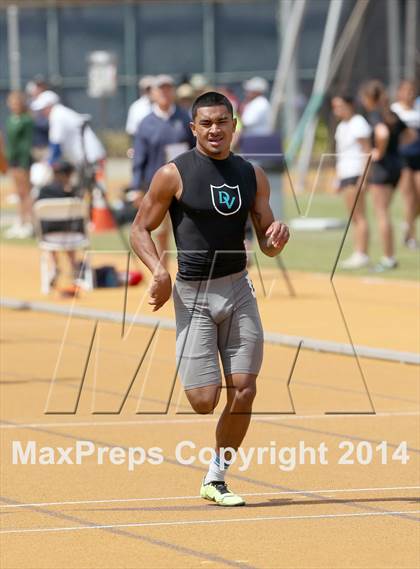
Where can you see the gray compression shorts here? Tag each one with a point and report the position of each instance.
(217, 316)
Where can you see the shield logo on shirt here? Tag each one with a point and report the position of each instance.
(226, 199)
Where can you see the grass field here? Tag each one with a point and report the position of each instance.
(315, 251)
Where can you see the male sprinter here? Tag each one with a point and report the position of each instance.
(209, 192)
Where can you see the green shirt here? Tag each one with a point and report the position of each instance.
(19, 130)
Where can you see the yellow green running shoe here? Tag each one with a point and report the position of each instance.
(218, 492)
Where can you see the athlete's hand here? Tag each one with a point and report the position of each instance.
(160, 289)
(277, 235)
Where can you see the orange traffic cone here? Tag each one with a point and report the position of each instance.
(102, 219)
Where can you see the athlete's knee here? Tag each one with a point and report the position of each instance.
(203, 403)
(203, 406)
(245, 396)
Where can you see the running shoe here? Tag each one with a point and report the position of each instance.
(356, 261)
(411, 243)
(386, 264)
(218, 492)
(13, 231)
(25, 231)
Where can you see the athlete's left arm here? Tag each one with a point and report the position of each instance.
(272, 234)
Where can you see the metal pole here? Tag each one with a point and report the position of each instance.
(130, 52)
(349, 34)
(13, 46)
(53, 49)
(410, 38)
(394, 52)
(288, 46)
(315, 101)
(320, 83)
(289, 115)
(209, 44)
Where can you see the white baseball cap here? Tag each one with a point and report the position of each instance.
(44, 100)
(146, 82)
(163, 80)
(257, 84)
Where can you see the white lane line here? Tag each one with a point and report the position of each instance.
(199, 420)
(214, 521)
(169, 324)
(170, 498)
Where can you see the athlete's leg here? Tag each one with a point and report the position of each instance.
(23, 188)
(230, 432)
(382, 196)
(417, 191)
(234, 421)
(204, 399)
(196, 346)
(408, 194)
(359, 220)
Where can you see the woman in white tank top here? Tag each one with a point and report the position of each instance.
(352, 139)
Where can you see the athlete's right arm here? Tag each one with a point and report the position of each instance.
(381, 141)
(154, 206)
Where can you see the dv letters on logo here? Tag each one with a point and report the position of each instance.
(226, 199)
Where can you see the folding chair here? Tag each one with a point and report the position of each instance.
(61, 209)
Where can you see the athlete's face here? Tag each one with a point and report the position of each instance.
(407, 93)
(341, 109)
(214, 127)
(164, 96)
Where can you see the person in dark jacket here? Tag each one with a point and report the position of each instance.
(161, 136)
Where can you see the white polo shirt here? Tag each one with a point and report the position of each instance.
(65, 130)
(351, 158)
(136, 113)
(256, 116)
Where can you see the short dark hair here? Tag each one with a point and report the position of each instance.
(63, 167)
(346, 96)
(211, 99)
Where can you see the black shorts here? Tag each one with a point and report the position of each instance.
(411, 162)
(385, 172)
(348, 182)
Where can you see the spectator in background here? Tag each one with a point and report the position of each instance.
(61, 187)
(65, 133)
(19, 131)
(160, 137)
(352, 139)
(200, 84)
(124, 209)
(385, 171)
(230, 95)
(3, 161)
(256, 110)
(185, 97)
(409, 113)
(40, 136)
(141, 107)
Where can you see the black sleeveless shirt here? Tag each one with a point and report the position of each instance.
(209, 218)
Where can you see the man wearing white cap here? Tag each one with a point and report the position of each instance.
(142, 106)
(65, 132)
(256, 112)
